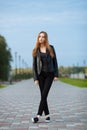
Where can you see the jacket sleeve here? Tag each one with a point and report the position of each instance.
(35, 75)
(56, 73)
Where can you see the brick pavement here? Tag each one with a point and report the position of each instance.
(19, 102)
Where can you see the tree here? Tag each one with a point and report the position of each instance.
(5, 59)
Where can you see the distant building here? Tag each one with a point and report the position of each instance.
(79, 76)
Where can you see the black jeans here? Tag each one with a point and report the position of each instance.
(45, 82)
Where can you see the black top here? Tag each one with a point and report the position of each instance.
(44, 61)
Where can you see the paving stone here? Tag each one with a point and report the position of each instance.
(4, 128)
(33, 128)
(19, 103)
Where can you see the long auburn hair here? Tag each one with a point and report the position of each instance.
(37, 46)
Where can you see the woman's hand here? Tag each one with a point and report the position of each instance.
(36, 82)
(55, 78)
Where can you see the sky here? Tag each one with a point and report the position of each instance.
(65, 21)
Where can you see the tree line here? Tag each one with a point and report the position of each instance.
(5, 59)
(66, 71)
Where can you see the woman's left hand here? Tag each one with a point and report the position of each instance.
(55, 78)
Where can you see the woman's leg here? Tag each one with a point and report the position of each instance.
(44, 93)
(41, 84)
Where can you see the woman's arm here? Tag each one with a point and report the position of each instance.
(35, 75)
(56, 74)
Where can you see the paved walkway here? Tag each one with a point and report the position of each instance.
(19, 102)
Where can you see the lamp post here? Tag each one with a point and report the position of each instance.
(19, 64)
(23, 66)
(78, 70)
(15, 66)
(84, 62)
(73, 70)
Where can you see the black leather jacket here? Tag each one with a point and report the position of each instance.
(52, 64)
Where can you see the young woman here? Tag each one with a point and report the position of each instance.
(45, 70)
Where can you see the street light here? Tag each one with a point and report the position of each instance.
(23, 66)
(78, 70)
(15, 65)
(19, 64)
(84, 62)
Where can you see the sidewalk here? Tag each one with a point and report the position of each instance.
(19, 103)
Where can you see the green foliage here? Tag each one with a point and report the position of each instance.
(5, 58)
(22, 76)
(2, 86)
(66, 71)
(75, 82)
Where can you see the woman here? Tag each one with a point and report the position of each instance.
(45, 70)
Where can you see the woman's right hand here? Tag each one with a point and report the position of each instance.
(36, 82)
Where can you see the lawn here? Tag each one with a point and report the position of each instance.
(2, 86)
(76, 82)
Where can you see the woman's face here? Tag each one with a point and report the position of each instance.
(42, 38)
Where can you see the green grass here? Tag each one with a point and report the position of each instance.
(76, 82)
(3, 86)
